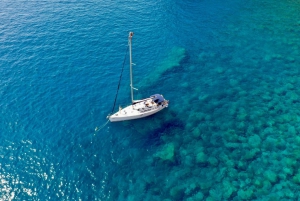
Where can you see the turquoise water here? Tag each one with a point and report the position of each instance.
(229, 69)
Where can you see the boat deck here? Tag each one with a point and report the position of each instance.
(137, 110)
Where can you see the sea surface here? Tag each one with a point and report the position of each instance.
(230, 69)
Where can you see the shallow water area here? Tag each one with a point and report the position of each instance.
(229, 69)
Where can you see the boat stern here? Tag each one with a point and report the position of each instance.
(159, 100)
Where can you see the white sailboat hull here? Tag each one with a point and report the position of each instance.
(137, 111)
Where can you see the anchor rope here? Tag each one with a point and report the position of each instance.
(120, 80)
(98, 129)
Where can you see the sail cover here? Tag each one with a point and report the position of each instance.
(157, 98)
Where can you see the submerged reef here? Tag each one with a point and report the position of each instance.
(172, 60)
(239, 120)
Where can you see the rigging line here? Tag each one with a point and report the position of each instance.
(98, 129)
(120, 80)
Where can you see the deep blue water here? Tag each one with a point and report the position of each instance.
(229, 69)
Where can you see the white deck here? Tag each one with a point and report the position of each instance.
(138, 110)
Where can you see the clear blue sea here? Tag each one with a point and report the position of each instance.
(230, 70)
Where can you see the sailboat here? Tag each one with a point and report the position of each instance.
(138, 108)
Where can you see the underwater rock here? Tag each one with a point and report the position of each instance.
(245, 194)
(228, 189)
(297, 140)
(209, 198)
(177, 193)
(289, 162)
(270, 143)
(173, 59)
(232, 145)
(166, 153)
(233, 82)
(215, 194)
(184, 85)
(213, 161)
(190, 188)
(231, 136)
(188, 161)
(250, 154)
(198, 196)
(196, 132)
(242, 114)
(254, 141)
(201, 157)
(288, 171)
(270, 176)
(220, 70)
(292, 130)
(288, 193)
(258, 182)
(296, 178)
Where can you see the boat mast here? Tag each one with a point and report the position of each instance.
(130, 64)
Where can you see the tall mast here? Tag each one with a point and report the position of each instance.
(130, 64)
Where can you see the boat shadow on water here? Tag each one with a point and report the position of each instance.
(153, 128)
